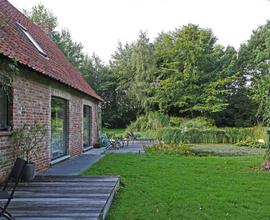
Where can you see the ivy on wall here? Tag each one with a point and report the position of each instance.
(7, 76)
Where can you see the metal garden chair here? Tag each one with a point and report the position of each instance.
(133, 137)
(15, 175)
(110, 143)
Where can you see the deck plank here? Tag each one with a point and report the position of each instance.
(62, 197)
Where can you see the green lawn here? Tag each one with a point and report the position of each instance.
(114, 132)
(177, 187)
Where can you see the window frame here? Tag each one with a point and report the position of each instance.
(66, 127)
(7, 111)
(32, 40)
(89, 126)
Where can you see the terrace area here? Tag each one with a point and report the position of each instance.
(64, 197)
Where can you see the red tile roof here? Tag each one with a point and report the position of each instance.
(14, 44)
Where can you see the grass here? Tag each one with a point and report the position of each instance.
(114, 132)
(155, 186)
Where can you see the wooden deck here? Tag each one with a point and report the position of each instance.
(59, 198)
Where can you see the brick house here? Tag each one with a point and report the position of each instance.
(47, 89)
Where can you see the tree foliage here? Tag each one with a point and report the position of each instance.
(180, 73)
(254, 59)
(72, 50)
(194, 72)
(41, 15)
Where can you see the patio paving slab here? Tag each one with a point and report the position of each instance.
(73, 166)
(135, 146)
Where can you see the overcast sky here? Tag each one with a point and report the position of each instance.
(100, 24)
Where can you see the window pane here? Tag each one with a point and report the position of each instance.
(33, 41)
(86, 126)
(3, 110)
(59, 127)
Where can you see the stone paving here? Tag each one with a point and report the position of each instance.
(77, 165)
(72, 167)
(133, 147)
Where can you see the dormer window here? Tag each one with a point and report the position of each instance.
(32, 40)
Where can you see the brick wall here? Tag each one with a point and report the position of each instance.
(75, 127)
(32, 102)
(6, 154)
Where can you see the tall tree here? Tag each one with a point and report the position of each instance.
(121, 66)
(254, 59)
(135, 66)
(194, 72)
(41, 15)
(182, 73)
(71, 49)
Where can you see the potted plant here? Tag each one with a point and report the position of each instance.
(27, 142)
(97, 144)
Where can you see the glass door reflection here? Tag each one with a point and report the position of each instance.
(59, 127)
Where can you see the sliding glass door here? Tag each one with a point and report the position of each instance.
(59, 127)
(86, 126)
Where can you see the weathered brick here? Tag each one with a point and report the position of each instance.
(32, 102)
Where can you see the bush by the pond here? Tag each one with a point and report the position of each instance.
(252, 143)
(156, 120)
(199, 123)
(207, 136)
(197, 130)
(151, 121)
(178, 149)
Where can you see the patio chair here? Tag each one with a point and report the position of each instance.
(117, 143)
(104, 140)
(111, 143)
(15, 175)
(134, 137)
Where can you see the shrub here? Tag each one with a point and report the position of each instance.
(27, 141)
(178, 149)
(207, 135)
(197, 130)
(259, 132)
(177, 121)
(199, 122)
(139, 125)
(156, 120)
(252, 143)
(193, 135)
(236, 135)
(151, 121)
